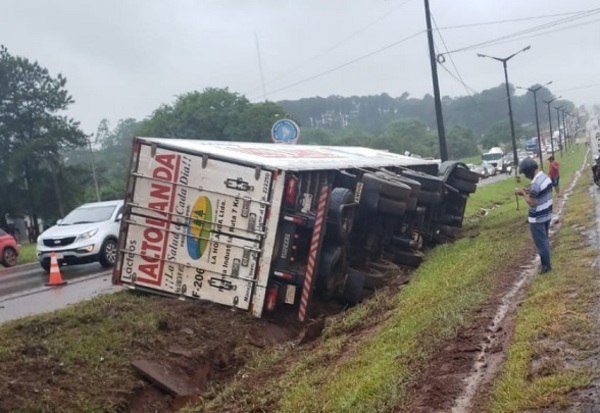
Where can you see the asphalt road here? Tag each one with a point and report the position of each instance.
(493, 179)
(31, 277)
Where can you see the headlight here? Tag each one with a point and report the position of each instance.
(88, 234)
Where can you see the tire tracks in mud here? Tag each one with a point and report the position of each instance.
(460, 374)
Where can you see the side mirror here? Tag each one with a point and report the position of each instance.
(119, 217)
(58, 222)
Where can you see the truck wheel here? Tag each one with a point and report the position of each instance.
(428, 197)
(332, 267)
(108, 253)
(9, 257)
(462, 185)
(345, 179)
(453, 220)
(353, 286)
(415, 186)
(428, 182)
(410, 258)
(388, 187)
(340, 221)
(373, 278)
(389, 206)
(411, 203)
(465, 174)
(383, 265)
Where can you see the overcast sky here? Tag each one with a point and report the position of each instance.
(123, 58)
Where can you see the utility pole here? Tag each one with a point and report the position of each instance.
(565, 129)
(548, 102)
(537, 120)
(510, 113)
(436, 87)
(560, 140)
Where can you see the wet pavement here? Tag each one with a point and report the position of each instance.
(23, 291)
(45, 299)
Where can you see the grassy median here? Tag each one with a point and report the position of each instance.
(556, 327)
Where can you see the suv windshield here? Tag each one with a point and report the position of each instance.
(491, 156)
(88, 215)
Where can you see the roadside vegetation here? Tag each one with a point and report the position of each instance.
(27, 254)
(367, 359)
(556, 328)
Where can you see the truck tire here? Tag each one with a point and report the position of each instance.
(345, 179)
(389, 206)
(389, 188)
(409, 258)
(340, 222)
(353, 286)
(383, 265)
(465, 174)
(373, 278)
(415, 186)
(462, 185)
(428, 197)
(428, 182)
(332, 267)
(452, 220)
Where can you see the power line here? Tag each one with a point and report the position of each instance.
(338, 44)
(533, 29)
(578, 87)
(358, 59)
(492, 22)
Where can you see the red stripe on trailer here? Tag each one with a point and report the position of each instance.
(312, 254)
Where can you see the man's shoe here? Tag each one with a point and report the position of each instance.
(544, 270)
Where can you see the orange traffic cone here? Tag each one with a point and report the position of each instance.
(55, 277)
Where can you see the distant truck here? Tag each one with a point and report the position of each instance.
(531, 146)
(260, 227)
(494, 156)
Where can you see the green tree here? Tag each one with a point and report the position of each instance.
(461, 142)
(197, 115)
(410, 135)
(33, 133)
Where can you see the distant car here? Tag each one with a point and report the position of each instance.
(9, 249)
(87, 234)
(478, 169)
(490, 169)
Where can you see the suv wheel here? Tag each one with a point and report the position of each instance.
(108, 254)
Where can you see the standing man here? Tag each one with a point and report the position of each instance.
(539, 199)
(554, 173)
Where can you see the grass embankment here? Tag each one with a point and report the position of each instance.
(556, 326)
(77, 359)
(27, 254)
(372, 372)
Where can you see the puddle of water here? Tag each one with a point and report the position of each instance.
(486, 364)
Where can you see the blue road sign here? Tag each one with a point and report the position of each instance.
(285, 131)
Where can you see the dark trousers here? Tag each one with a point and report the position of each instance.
(540, 235)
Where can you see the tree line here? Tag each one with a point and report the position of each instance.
(46, 159)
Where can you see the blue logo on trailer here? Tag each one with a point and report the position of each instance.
(285, 131)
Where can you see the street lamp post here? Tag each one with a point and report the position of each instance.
(537, 119)
(510, 115)
(548, 102)
(564, 111)
(560, 139)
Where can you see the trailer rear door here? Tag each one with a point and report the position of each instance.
(195, 226)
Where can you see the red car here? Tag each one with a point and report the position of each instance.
(9, 250)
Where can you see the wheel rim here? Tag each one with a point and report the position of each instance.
(10, 258)
(110, 251)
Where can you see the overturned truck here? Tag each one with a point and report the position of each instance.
(262, 226)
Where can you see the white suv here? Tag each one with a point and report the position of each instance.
(87, 234)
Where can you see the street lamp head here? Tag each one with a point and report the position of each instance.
(526, 48)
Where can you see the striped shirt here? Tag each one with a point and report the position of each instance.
(541, 191)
